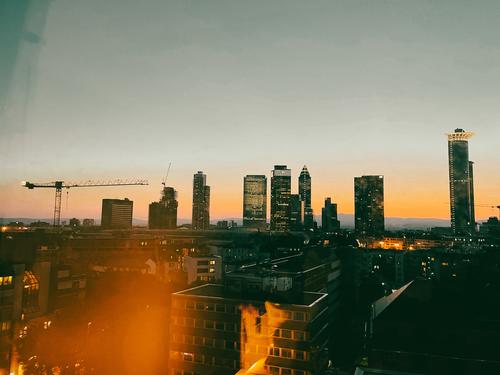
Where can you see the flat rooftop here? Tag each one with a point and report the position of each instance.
(217, 291)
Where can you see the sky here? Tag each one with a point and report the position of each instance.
(104, 89)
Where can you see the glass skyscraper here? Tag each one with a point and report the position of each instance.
(369, 205)
(305, 197)
(255, 201)
(201, 202)
(461, 183)
(281, 181)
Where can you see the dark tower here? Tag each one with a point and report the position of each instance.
(280, 198)
(305, 197)
(461, 183)
(163, 214)
(329, 222)
(369, 205)
(201, 202)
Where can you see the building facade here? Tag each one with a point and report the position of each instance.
(214, 331)
(369, 205)
(280, 198)
(329, 218)
(116, 213)
(255, 201)
(461, 183)
(296, 212)
(201, 202)
(163, 214)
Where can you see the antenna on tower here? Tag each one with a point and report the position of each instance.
(166, 176)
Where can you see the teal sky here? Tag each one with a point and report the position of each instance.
(119, 88)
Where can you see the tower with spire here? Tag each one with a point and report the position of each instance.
(305, 197)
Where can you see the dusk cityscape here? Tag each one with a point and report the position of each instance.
(249, 188)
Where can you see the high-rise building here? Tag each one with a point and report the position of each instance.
(296, 212)
(281, 181)
(329, 222)
(201, 202)
(255, 201)
(369, 205)
(116, 213)
(305, 197)
(163, 214)
(461, 182)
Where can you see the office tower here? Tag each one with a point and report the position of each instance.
(255, 201)
(281, 181)
(461, 183)
(296, 212)
(329, 222)
(116, 213)
(201, 202)
(215, 330)
(163, 214)
(305, 196)
(369, 205)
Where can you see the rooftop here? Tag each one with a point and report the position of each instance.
(216, 291)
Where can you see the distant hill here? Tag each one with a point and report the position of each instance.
(346, 221)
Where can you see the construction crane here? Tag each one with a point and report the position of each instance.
(59, 185)
(164, 182)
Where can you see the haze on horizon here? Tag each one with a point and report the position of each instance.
(118, 89)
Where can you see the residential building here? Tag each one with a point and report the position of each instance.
(255, 201)
(369, 205)
(280, 198)
(116, 213)
(203, 268)
(201, 202)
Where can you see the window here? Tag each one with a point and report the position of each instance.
(219, 326)
(299, 335)
(274, 370)
(198, 340)
(202, 270)
(286, 353)
(202, 263)
(286, 371)
(187, 357)
(211, 270)
(212, 262)
(231, 327)
(276, 333)
(200, 306)
(219, 343)
(299, 372)
(190, 305)
(198, 358)
(230, 345)
(299, 315)
(198, 323)
(209, 324)
(274, 352)
(220, 308)
(300, 355)
(230, 309)
(286, 333)
(209, 307)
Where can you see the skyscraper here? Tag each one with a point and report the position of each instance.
(461, 182)
(255, 201)
(329, 222)
(201, 202)
(369, 205)
(281, 181)
(305, 197)
(116, 213)
(296, 212)
(163, 214)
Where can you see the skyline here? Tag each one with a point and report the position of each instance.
(301, 84)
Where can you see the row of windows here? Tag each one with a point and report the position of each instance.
(231, 309)
(5, 280)
(207, 324)
(289, 353)
(273, 370)
(206, 270)
(205, 262)
(202, 306)
(205, 359)
(206, 341)
(291, 334)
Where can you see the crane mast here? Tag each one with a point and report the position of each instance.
(59, 185)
